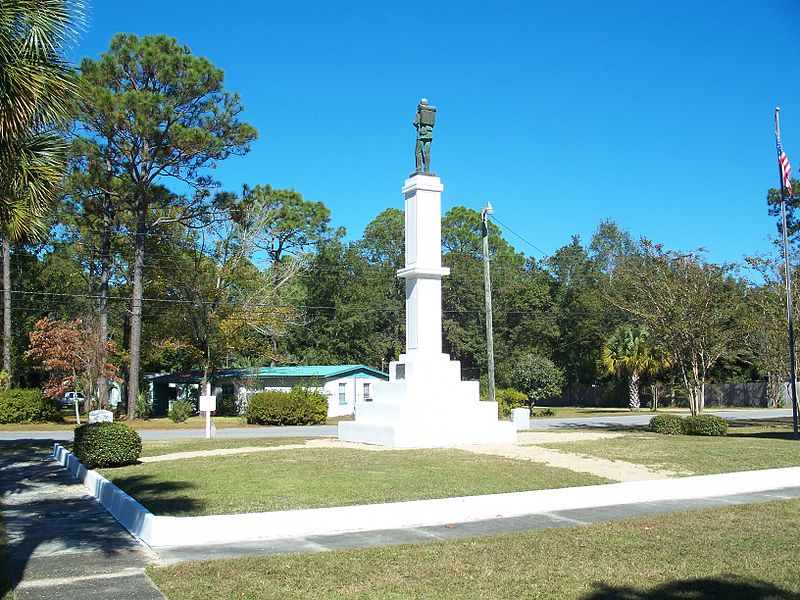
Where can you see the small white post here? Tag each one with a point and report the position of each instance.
(207, 404)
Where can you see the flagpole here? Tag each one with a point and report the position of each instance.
(788, 273)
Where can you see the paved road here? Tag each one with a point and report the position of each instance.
(62, 544)
(321, 430)
(643, 418)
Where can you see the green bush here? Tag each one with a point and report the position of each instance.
(181, 410)
(545, 412)
(668, 424)
(28, 406)
(301, 406)
(510, 398)
(705, 425)
(106, 445)
(142, 408)
(226, 406)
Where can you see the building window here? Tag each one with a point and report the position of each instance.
(342, 393)
(367, 393)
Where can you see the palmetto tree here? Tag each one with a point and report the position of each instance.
(37, 90)
(627, 352)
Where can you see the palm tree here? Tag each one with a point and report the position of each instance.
(37, 89)
(627, 352)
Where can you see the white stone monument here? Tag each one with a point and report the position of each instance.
(101, 416)
(425, 404)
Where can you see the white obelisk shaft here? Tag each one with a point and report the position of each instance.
(423, 271)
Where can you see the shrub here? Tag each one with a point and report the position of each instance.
(705, 425)
(227, 406)
(181, 410)
(668, 424)
(508, 399)
(545, 412)
(301, 406)
(27, 406)
(142, 408)
(106, 445)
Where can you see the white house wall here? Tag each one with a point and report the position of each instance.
(353, 394)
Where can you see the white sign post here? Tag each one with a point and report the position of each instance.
(207, 404)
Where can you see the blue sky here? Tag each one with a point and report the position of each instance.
(657, 115)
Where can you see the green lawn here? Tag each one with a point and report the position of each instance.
(748, 446)
(161, 447)
(311, 478)
(725, 553)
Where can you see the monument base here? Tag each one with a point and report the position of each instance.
(426, 405)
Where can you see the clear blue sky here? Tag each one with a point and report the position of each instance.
(561, 113)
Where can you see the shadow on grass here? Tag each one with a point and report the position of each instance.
(697, 589)
(776, 429)
(598, 425)
(158, 496)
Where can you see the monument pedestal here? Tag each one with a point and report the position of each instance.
(425, 404)
(428, 407)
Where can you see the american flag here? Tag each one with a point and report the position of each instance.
(786, 168)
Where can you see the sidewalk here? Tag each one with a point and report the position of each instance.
(61, 543)
(417, 535)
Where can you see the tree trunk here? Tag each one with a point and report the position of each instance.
(105, 276)
(774, 390)
(656, 395)
(7, 309)
(633, 391)
(136, 303)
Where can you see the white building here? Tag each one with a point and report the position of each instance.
(346, 386)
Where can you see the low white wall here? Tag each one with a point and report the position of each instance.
(133, 516)
(185, 531)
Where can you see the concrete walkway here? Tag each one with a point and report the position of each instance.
(416, 535)
(61, 543)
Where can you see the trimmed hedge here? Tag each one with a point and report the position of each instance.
(697, 425)
(705, 425)
(106, 445)
(509, 398)
(298, 407)
(28, 406)
(666, 423)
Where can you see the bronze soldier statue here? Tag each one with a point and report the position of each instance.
(424, 122)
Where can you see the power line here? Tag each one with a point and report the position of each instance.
(531, 244)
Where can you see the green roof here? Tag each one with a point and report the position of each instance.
(324, 371)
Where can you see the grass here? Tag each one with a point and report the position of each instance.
(749, 445)
(732, 552)
(196, 422)
(161, 447)
(312, 478)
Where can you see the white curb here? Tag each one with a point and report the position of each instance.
(188, 531)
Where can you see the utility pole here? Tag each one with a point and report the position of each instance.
(487, 289)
